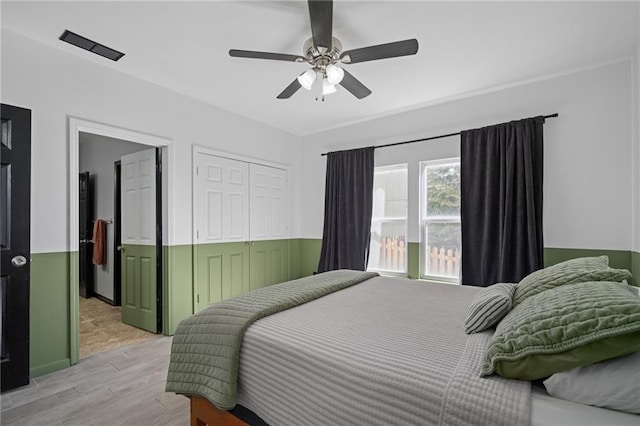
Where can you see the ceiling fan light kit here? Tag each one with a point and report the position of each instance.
(327, 87)
(323, 51)
(334, 74)
(307, 78)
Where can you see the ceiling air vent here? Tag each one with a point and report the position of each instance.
(91, 46)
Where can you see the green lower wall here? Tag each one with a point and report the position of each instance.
(635, 267)
(619, 259)
(177, 286)
(413, 260)
(49, 310)
(309, 255)
(295, 258)
(49, 313)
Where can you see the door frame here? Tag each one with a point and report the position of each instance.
(117, 260)
(76, 126)
(89, 273)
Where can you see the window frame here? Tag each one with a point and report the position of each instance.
(424, 221)
(385, 219)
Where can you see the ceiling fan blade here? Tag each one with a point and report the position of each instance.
(290, 90)
(354, 86)
(266, 55)
(321, 16)
(380, 51)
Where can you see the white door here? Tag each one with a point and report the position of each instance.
(139, 239)
(269, 203)
(221, 200)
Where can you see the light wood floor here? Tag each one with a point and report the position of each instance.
(123, 386)
(101, 328)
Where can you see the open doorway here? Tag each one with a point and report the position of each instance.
(98, 320)
(101, 326)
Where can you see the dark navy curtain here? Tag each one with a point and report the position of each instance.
(501, 201)
(347, 210)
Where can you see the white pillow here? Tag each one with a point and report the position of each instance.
(613, 384)
(488, 307)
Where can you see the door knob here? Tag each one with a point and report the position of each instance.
(19, 261)
(120, 248)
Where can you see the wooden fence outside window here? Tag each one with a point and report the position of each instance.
(439, 261)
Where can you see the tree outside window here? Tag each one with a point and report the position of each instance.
(441, 248)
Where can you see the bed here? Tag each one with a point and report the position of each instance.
(381, 350)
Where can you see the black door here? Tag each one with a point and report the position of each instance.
(14, 242)
(85, 246)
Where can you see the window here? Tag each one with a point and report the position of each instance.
(388, 248)
(441, 247)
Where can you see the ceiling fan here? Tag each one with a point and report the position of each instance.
(323, 51)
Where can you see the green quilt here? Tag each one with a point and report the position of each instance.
(206, 346)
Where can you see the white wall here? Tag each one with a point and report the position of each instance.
(56, 85)
(97, 156)
(588, 149)
(588, 163)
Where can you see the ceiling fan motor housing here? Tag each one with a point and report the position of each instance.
(321, 57)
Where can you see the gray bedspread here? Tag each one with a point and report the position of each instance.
(384, 352)
(206, 346)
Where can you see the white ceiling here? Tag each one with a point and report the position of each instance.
(465, 47)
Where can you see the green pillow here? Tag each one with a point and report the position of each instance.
(578, 270)
(566, 327)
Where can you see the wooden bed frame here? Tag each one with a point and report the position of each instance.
(205, 413)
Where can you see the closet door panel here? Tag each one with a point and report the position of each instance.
(222, 271)
(212, 231)
(269, 263)
(269, 203)
(221, 199)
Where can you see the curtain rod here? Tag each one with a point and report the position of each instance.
(432, 137)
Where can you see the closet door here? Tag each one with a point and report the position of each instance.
(221, 252)
(222, 200)
(269, 203)
(269, 226)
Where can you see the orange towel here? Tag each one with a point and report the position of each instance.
(99, 242)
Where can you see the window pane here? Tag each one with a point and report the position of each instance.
(390, 192)
(443, 190)
(387, 251)
(442, 249)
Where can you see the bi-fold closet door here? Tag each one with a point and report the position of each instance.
(241, 227)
